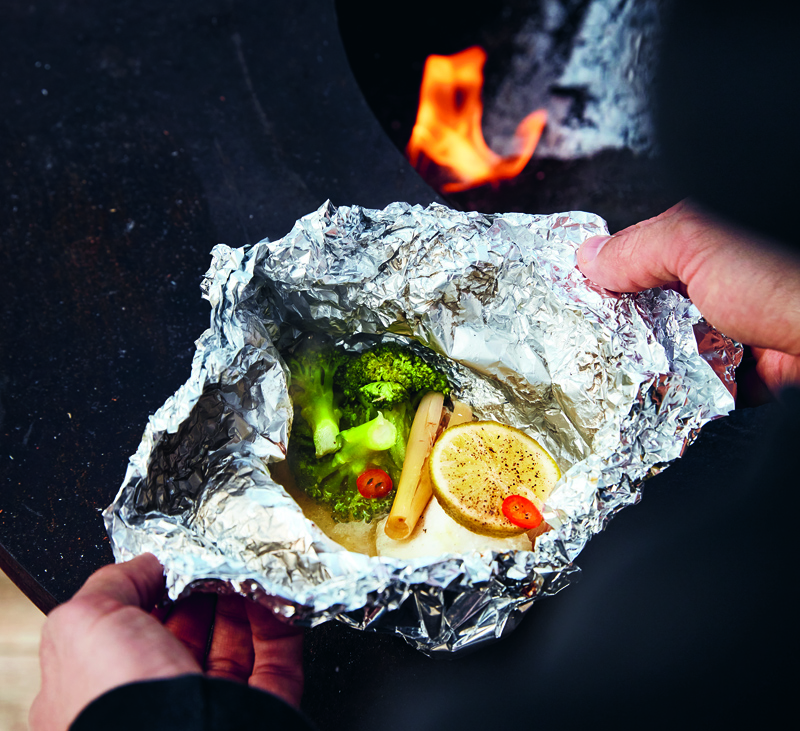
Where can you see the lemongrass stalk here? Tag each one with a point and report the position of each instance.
(414, 489)
(420, 440)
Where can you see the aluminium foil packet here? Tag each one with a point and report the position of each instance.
(614, 386)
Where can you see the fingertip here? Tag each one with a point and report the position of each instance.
(607, 261)
(149, 563)
(590, 249)
(139, 581)
(592, 266)
(266, 625)
(146, 566)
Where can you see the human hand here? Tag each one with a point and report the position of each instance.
(745, 288)
(106, 636)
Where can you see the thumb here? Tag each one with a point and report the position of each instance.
(138, 582)
(746, 288)
(639, 257)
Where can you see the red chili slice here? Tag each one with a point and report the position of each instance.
(522, 512)
(374, 483)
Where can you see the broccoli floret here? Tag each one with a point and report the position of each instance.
(392, 363)
(380, 390)
(382, 393)
(391, 378)
(313, 368)
(332, 479)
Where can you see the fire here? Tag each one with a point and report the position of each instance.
(448, 127)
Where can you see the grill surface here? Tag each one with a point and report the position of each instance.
(134, 137)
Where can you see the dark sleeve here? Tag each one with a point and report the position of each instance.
(189, 703)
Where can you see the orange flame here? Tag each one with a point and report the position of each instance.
(448, 127)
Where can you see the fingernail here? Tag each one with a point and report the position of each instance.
(591, 248)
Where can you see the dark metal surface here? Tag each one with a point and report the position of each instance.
(134, 137)
(622, 186)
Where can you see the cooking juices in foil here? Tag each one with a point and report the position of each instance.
(612, 385)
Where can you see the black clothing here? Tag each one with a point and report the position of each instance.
(189, 703)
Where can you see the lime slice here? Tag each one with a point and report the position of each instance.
(475, 466)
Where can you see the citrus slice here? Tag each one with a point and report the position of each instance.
(477, 465)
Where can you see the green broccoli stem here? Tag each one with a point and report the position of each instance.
(313, 367)
(359, 443)
(375, 435)
(323, 418)
(401, 416)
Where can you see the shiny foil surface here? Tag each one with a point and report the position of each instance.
(614, 386)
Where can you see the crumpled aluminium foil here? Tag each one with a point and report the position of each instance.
(613, 386)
